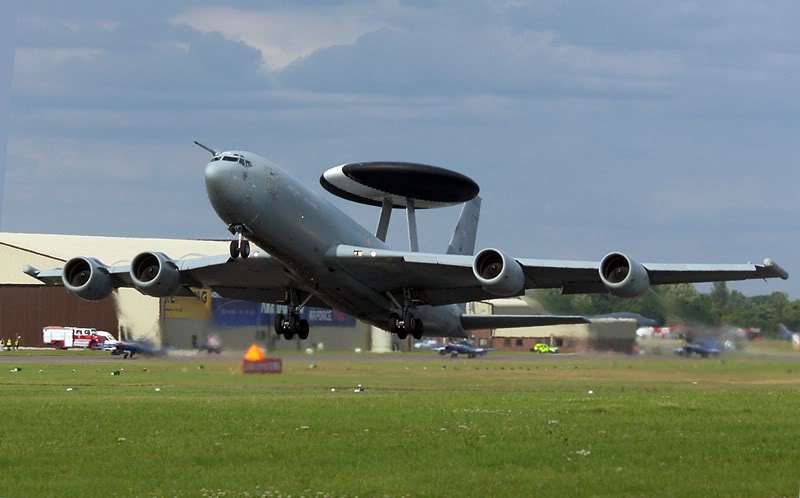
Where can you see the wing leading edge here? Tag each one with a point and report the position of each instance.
(439, 279)
(258, 278)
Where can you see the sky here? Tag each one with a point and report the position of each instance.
(666, 130)
(7, 32)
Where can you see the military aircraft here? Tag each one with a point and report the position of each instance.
(465, 346)
(784, 332)
(308, 252)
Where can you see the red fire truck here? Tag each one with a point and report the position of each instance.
(71, 337)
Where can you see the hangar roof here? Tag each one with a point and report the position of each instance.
(52, 250)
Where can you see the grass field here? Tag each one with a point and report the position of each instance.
(423, 427)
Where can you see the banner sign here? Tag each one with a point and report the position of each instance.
(236, 313)
(189, 308)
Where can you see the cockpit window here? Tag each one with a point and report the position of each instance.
(230, 158)
(215, 158)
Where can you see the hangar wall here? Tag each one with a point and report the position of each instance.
(26, 309)
(138, 316)
(187, 334)
(188, 322)
(609, 334)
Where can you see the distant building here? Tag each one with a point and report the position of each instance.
(605, 334)
(27, 306)
(189, 322)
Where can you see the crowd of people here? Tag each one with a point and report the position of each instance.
(10, 343)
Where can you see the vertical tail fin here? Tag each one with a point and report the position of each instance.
(463, 241)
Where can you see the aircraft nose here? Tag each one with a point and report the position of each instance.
(219, 176)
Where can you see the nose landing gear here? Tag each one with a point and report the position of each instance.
(240, 249)
(241, 246)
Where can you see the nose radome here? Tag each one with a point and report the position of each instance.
(219, 175)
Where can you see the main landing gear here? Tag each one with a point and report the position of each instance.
(241, 246)
(407, 324)
(292, 325)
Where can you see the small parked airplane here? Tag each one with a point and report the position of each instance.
(310, 253)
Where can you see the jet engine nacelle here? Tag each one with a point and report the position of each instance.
(498, 273)
(623, 276)
(87, 278)
(155, 274)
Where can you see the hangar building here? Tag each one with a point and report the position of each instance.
(26, 306)
(606, 334)
(188, 322)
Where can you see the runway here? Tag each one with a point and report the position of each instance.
(292, 357)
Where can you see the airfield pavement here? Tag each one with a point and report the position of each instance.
(506, 425)
(49, 355)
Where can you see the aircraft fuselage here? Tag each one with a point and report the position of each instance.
(297, 226)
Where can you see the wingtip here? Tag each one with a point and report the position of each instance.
(776, 269)
(30, 270)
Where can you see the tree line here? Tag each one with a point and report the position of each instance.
(683, 303)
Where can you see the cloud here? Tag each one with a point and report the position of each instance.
(7, 16)
(493, 60)
(666, 130)
(281, 35)
(92, 186)
(197, 64)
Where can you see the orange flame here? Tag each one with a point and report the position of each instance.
(254, 353)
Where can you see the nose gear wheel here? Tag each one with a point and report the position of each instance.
(240, 248)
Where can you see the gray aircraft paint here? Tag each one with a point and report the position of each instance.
(317, 243)
(7, 34)
(308, 246)
(272, 202)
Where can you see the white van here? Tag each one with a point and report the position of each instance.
(110, 343)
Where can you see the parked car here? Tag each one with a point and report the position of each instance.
(541, 347)
(704, 348)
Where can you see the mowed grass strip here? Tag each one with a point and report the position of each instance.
(422, 428)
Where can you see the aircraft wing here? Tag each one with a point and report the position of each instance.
(257, 278)
(447, 279)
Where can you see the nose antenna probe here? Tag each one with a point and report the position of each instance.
(209, 149)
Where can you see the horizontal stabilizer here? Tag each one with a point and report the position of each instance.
(470, 322)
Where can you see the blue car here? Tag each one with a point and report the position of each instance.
(465, 347)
